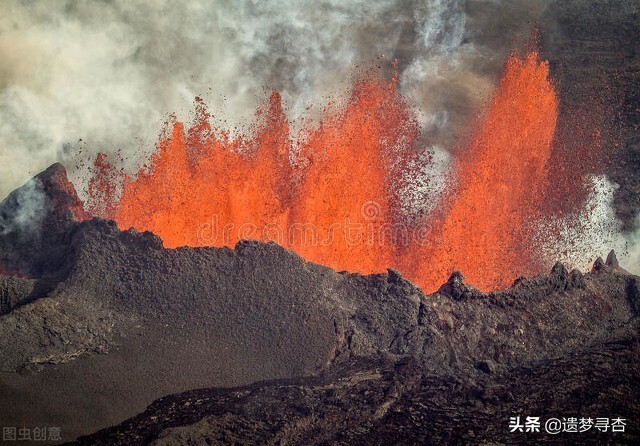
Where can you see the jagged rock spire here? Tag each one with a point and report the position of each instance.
(34, 220)
(612, 260)
(598, 265)
(457, 289)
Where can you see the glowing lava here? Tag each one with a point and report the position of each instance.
(485, 233)
(331, 193)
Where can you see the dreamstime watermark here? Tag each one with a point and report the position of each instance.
(371, 229)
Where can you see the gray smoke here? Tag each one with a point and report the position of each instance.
(23, 211)
(102, 75)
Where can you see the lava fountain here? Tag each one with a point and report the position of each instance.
(331, 191)
(501, 178)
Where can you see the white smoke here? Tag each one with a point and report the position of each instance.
(631, 258)
(26, 208)
(578, 240)
(107, 72)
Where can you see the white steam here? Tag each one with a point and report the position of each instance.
(107, 72)
(578, 240)
(631, 260)
(26, 208)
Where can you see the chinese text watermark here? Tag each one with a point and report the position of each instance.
(39, 433)
(555, 426)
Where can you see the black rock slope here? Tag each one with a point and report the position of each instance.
(377, 401)
(117, 321)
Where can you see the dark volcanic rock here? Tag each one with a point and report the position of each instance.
(598, 265)
(457, 289)
(633, 294)
(36, 226)
(373, 401)
(14, 291)
(118, 321)
(612, 260)
(576, 279)
(34, 221)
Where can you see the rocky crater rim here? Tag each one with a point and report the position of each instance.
(63, 216)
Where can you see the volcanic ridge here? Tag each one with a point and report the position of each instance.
(96, 323)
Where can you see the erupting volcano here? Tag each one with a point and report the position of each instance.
(333, 191)
(376, 224)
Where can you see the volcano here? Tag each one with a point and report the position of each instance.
(99, 311)
(321, 279)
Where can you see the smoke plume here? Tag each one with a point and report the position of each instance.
(102, 75)
(591, 233)
(24, 210)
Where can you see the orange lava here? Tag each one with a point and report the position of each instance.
(203, 188)
(485, 232)
(332, 192)
(346, 193)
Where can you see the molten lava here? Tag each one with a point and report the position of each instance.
(332, 192)
(485, 233)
